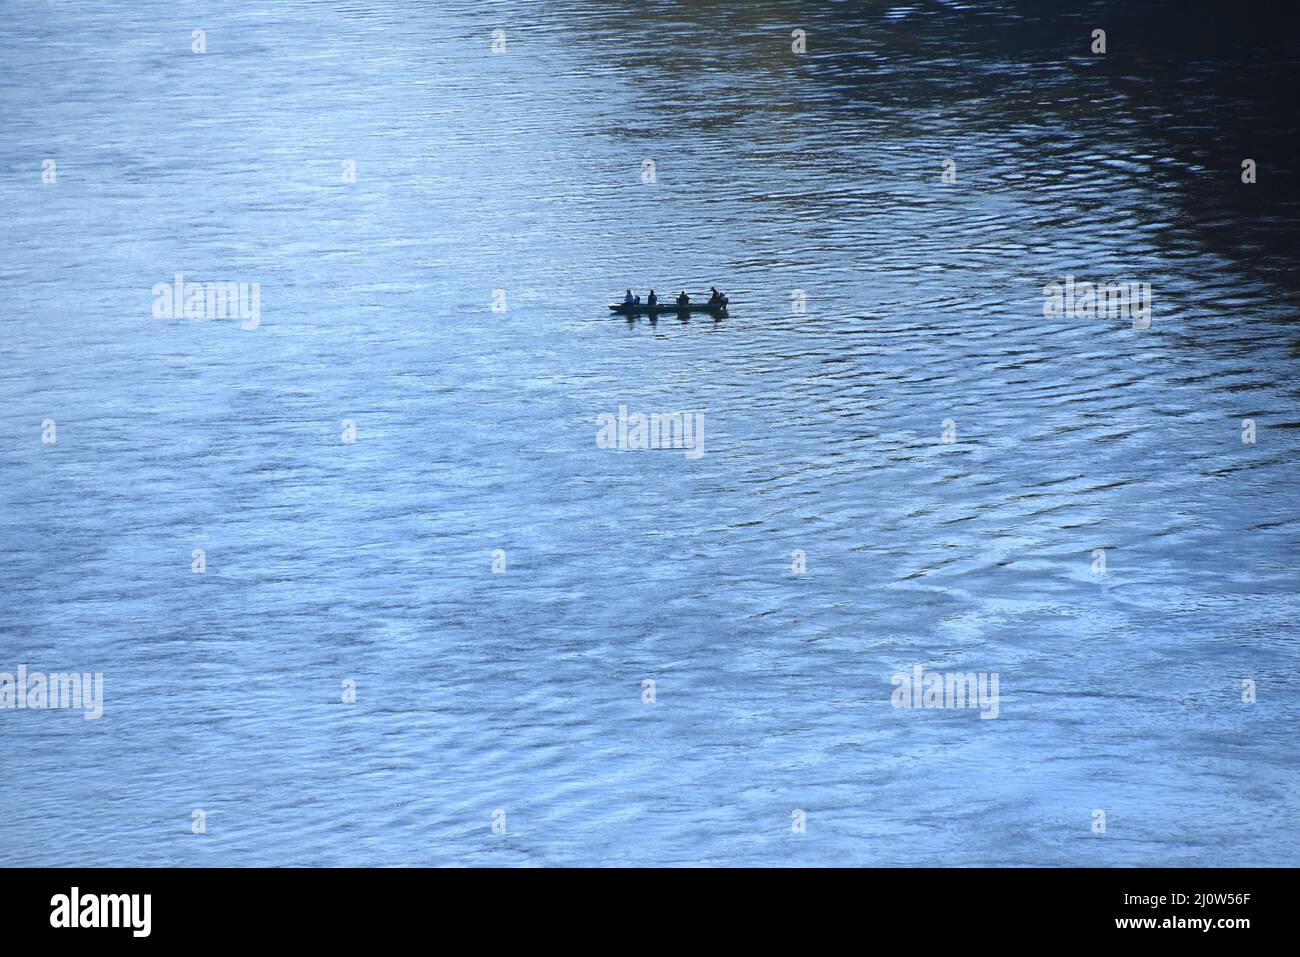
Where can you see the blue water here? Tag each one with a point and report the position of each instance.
(371, 561)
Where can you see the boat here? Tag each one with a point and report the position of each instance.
(642, 308)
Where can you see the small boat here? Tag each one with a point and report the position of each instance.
(641, 308)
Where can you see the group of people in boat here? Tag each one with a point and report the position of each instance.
(716, 299)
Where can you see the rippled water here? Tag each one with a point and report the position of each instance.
(522, 171)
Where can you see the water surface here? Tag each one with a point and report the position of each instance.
(522, 171)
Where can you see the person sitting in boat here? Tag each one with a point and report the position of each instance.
(652, 299)
(629, 298)
(716, 297)
(683, 299)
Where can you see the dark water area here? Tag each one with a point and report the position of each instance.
(908, 459)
